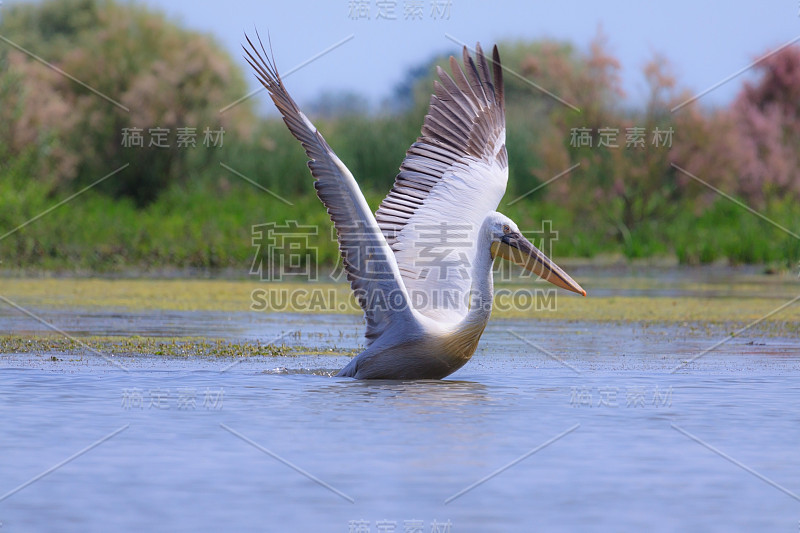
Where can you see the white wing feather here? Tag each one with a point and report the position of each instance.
(451, 178)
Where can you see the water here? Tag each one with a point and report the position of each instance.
(199, 449)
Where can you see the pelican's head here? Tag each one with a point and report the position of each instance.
(509, 243)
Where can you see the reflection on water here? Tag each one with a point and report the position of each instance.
(599, 444)
(424, 398)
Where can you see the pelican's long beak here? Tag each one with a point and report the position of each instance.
(520, 251)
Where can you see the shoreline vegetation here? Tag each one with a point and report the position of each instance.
(165, 189)
(203, 229)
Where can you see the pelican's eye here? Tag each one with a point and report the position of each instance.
(506, 229)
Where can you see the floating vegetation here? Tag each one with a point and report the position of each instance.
(739, 301)
(157, 346)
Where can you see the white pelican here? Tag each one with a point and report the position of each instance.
(425, 304)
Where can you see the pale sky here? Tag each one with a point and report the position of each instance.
(706, 41)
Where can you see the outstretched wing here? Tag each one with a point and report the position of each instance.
(368, 260)
(451, 178)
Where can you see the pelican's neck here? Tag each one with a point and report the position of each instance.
(482, 290)
(463, 340)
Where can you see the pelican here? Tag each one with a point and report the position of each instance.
(421, 266)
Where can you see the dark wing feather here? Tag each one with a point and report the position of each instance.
(368, 261)
(466, 117)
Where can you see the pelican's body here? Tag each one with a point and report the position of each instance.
(420, 347)
(425, 306)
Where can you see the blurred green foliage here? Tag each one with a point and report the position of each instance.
(178, 207)
(144, 72)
